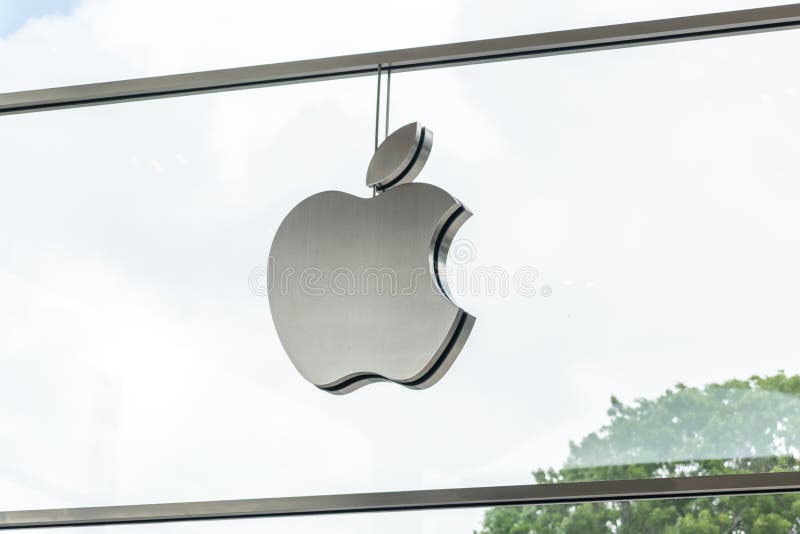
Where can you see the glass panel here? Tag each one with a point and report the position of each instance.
(64, 42)
(651, 191)
(641, 189)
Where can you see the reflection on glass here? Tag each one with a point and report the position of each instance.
(762, 514)
(738, 426)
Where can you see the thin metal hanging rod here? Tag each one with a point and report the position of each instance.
(426, 57)
(564, 493)
(388, 101)
(378, 108)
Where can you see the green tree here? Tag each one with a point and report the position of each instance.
(739, 426)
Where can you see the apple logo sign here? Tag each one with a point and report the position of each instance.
(356, 285)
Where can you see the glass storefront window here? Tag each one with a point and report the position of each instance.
(646, 195)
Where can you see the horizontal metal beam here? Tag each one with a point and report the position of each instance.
(426, 57)
(663, 488)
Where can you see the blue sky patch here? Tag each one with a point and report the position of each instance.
(14, 13)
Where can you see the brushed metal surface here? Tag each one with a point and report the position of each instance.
(355, 288)
(401, 156)
(575, 492)
(446, 55)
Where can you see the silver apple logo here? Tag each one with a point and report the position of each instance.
(356, 288)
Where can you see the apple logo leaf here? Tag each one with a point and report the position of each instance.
(401, 156)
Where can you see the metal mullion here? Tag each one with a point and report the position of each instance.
(534, 494)
(426, 57)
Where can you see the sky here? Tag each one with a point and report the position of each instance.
(653, 190)
(15, 13)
